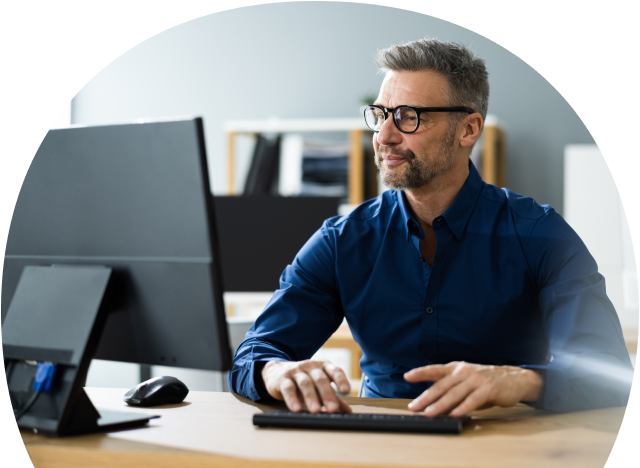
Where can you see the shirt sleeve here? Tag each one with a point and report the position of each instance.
(300, 317)
(590, 366)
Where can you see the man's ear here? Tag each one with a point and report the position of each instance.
(471, 128)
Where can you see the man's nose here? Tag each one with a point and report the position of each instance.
(389, 133)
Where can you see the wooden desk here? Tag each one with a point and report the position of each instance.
(215, 430)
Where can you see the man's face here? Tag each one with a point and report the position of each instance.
(409, 161)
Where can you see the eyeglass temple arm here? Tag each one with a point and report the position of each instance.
(466, 109)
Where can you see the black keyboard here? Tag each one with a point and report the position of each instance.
(360, 422)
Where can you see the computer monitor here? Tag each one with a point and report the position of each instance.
(134, 198)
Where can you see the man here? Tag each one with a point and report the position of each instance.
(461, 295)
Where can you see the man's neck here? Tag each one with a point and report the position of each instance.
(429, 202)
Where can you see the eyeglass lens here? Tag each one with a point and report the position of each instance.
(405, 118)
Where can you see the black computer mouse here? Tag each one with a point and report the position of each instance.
(157, 391)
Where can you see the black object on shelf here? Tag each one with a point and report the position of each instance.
(260, 235)
(262, 178)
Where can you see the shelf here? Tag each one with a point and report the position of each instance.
(493, 151)
(355, 127)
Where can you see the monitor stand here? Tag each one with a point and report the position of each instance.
(57, 315)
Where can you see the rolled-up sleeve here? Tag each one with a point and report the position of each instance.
(300, 317)
(589, 365)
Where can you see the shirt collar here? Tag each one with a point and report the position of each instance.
(406, 214)
(458, 214)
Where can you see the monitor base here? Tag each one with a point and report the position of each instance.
(117, 420)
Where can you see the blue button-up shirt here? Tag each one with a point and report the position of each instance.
(511, 284)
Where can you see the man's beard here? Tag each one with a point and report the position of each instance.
(419, 171)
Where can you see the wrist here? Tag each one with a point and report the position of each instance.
(266, 366)
(258, 379)
(535, 383)
(264, 371)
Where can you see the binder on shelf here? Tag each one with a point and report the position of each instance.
(262, 178)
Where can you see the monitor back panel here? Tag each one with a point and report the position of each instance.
(134, 198)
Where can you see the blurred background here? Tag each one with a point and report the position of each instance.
(296, 61)
(313, 60)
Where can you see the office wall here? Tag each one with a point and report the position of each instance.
(588, 189)
(302, 60)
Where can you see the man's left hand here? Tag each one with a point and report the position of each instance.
(461, 387)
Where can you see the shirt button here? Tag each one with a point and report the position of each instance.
(429, 310)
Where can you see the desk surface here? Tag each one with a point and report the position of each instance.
(215, 430)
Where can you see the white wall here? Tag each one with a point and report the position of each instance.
(63, 117)
(594, 210)
(315, 59)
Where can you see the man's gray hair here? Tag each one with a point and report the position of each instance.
(465, 73)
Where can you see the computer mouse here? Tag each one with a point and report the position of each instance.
(157, 391)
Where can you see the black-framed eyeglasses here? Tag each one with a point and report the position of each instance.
(406, 118)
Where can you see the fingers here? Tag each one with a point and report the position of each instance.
(308, 382)
(433, 393)
(450, 399)
(323, 378)
(451, 393)
(467, 387)
(475, 400)
(289, 392)
(444, 376)
(308, 391)
(428, 373)
(344, 407)
(338, 376)
(325, 390)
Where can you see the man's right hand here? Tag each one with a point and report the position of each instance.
(309, 381)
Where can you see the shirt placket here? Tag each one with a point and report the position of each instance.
(431, 310)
